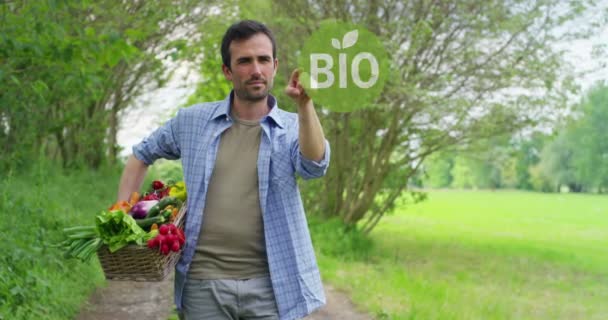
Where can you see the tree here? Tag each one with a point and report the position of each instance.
(463, 178)
(578, 156)
(557, 163)
(499, 162)
(539, 180)
(70, 67)
(527, 155)
(590, 138)
(462, 71)
(438, 170)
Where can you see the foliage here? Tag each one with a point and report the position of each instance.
(36, 282)
(591, 139)
(578, 156)
(557, 162)
(332, 238)
(527, 154)
(438, 170)
(498, 162)
(70, 67)
(164, 170)
(540, 181)
(462, 174)
(212, 86)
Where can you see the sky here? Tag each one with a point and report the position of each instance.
(152, 109)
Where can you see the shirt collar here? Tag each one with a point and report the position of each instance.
(224, 109)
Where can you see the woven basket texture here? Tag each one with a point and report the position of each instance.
(139, 263)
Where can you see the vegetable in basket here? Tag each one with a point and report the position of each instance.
(140, 209)
(80, 242)
(117, 229)
(151, 196)
(170, 238)
(157, 185)
(178, 191)
(121, 205)
(156, 209)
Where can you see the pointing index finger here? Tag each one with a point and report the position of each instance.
(295, 77)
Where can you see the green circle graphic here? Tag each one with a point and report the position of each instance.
(343, 66)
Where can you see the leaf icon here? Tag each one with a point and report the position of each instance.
(350, 38)
(335, 43)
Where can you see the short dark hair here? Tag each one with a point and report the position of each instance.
(244, 30)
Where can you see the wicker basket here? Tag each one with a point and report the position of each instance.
(139, 263)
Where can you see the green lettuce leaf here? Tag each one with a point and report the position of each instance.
(117, 229)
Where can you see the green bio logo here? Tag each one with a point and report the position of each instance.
(344, 66)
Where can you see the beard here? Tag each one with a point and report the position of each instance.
(253, 94)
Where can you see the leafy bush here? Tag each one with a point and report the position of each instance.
(164, 170)
(36, 282)
(333, 238)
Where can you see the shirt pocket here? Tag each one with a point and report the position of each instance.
(281, 166)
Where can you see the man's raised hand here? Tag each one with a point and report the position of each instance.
(295, 90)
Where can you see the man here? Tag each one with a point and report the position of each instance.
(248, 253)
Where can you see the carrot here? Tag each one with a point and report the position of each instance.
(134, 198)
(121, 205)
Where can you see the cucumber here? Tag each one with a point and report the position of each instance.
(148, 222)
(166, 214)
(166, 201)
(153, 212)
(156, 209)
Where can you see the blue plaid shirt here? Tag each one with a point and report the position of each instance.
(194, 135)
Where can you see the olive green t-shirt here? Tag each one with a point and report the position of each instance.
(231, 241)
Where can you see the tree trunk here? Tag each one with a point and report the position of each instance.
(112, 132)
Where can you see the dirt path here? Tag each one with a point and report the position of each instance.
(129, 300)
(338, 307)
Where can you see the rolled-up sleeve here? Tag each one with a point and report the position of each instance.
(309, 169)
(162, 143)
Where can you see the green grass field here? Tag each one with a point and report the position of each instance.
(483, 255)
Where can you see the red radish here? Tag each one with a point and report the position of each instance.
(174, 238)
(170, 238)
(181, 237)
(163, 230)
(161, 239)
(151, 196)
(173, 228)
(152, 243)
(164, 193)
(157, 185)
(164, 249)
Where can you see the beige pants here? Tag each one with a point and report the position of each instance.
(229, 299)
